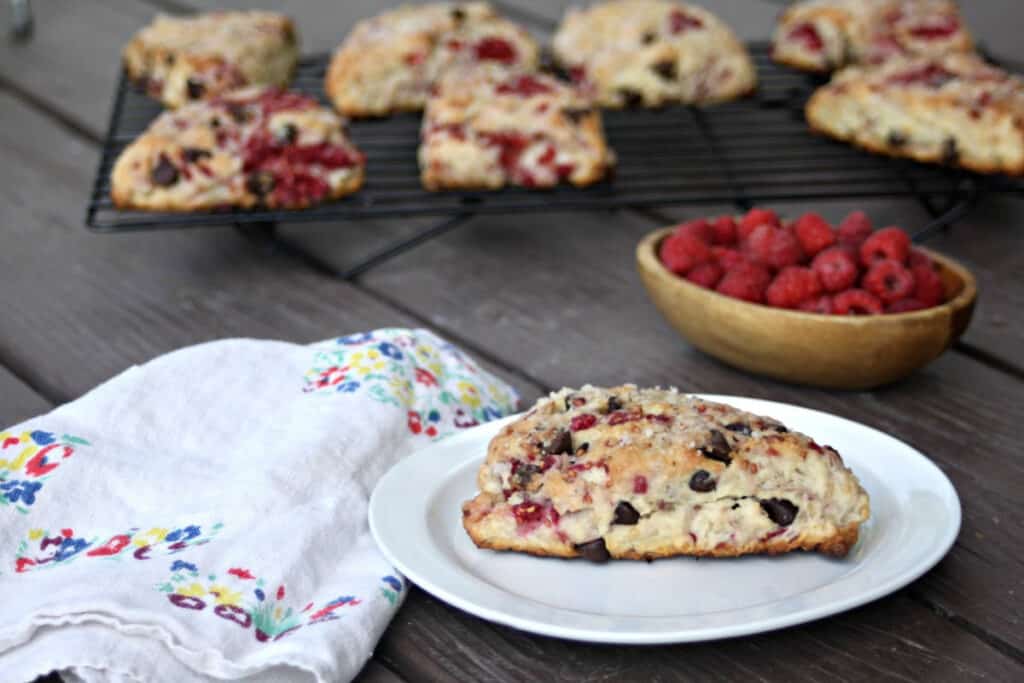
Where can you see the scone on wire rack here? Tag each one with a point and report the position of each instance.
(822, 35)
(183, 59)
(390, 62)
(255, 147)
(650, 473)
(956, 110)
(653, 52)
(486, 127)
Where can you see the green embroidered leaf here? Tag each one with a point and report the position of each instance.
(76, 439)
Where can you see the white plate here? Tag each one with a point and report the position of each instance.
(415, 516)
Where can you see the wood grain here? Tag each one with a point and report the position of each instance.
(17, 400)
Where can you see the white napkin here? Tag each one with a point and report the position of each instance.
(203, 516)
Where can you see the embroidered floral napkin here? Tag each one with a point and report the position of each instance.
(203, 516)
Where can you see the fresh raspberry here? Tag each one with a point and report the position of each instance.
(813, 233)
(706, 275)
(889, 280)
(728, 258)
(836, 268)
(746, 282)
(754, 219)
(905, 306)
(929, 288)
(888, 243)
(821, 304)
(699, 228)
(680, 253)
(792, 286)
(854, 229)
(916, 258)
(856, 302)
(724, 231)
(773, 246)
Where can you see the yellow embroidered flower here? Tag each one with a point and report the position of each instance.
(402, 389)
(35, 534)
(154, 535)
(193, 591)
(225, 596)
(436, 368)
(468, 394)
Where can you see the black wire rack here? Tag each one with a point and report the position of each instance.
(755, 150)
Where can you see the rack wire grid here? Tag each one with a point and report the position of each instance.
(754, 150)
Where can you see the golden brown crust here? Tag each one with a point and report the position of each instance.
(642, 473)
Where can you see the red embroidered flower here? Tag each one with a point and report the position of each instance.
(415, 423)
(111, 547)
(240, 573)
(425, 378)
(23, 563)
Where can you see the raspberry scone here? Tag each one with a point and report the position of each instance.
(648, 473)
(182, 59)
(652, 52)
(955, 109)
(488, 127)
(250, 147)
(822, 35)
(389, 63)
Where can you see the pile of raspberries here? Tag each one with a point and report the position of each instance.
(807, 264)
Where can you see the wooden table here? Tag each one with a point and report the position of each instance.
(544, 301)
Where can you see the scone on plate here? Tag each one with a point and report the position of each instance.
(955, 110)
(390, 62)
(250, 147)
(653, 52)
(648, 473)
(486, 127)
(182, 59)
(822, 35)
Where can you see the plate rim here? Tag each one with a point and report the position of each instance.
(611, 636)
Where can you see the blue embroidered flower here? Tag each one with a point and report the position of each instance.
(348, 387)
(23, 491)
(356, 338)
(178, 565)
(491, 413)
(433, 416)
(393, 582)
(260, 595)
(42, 438)
(70, 547)
(189, 532)
(390, 350)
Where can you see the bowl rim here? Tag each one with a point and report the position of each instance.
(647, 258)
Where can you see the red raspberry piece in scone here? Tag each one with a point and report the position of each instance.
(485, 128)
(250, 147)
(648, 473)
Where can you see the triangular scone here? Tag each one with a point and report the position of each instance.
(390, 62)
(648, 473)
(653, 52)
(251, 147)
(822, 35)
(955, 110)
(179, 60)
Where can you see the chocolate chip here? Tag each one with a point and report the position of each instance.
(780, 510)
(950, 152)
(164, 174)
(289, 134)
(215, 122)
(560, 443)
(631, 98)
(576, 114)
(260, 183)
(584, 447)
(648, 37)
(595, 550)
(702, 482)
(169, 60)
(735, 506)
(458, 15)
(666, 69)
(626, 514)
(238, 112)
(896, 139)
(195, 89)
(781, 429)
(194, 154)
(717, 448)
(523, 474)
(739, 428)
(614, 404)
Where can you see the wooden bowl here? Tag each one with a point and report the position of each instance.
(841, 352)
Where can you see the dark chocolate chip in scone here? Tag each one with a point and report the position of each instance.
(739, 428)
(194, 88)
(560, 443)
(194, 154)
(595, 550)
(896, 139)
(165, 173)
(950, 151)
(260, 183)
(780, 510)
(523, 474)
(626, 514)
(576, 114)
(717, 448)
(631, 98)
(702, 482)
(614, 404)
(289, 134)
(665, 68)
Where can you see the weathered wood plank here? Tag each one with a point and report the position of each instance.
(86, 306)
(894, 639)
(560, 299)
(18, 401)
(375, 672)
